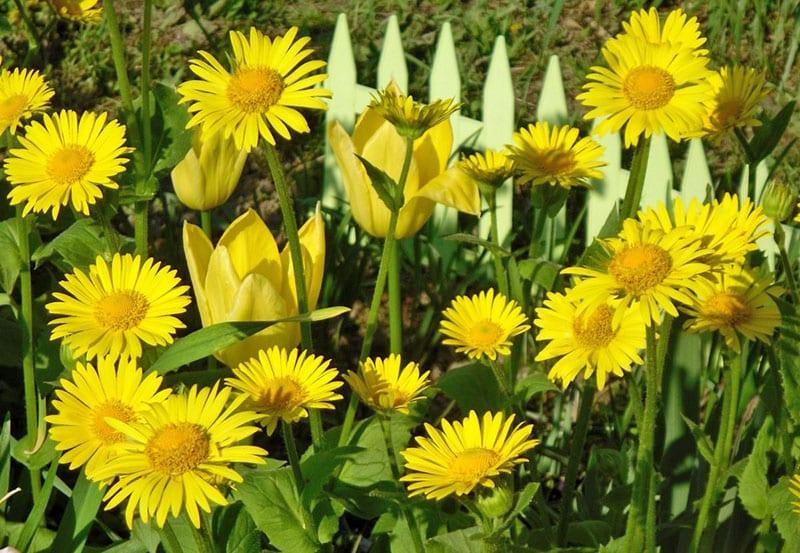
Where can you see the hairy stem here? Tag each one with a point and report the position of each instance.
(633, 194)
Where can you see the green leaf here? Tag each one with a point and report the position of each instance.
(524, 498)
(781, 506)
(318, 468)
(270, 496)
(35, 517)
(472, 387)
(541, 271)
(10, 260)
(209, 340)
(460, 541)
(767, 136)
(172, 140)
(534, 384)
(383, 184)
(234, 526)
(702, 440)
(753, 483)
(591, 533)
(472, 239)
(785, 358)
(5, 458)
(79, 516)
(79, 245)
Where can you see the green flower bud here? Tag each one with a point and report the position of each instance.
(779, 200)
(495, 502)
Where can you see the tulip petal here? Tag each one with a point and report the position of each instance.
(312, 244)
(252, 248)
(187, 179)
(222, 284)
(432, 151)
(198, 249)
(454, 188)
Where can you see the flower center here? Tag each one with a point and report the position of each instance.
(484, 334)
(728, 309)
(728, 113)
(638, 268)
(121, 310)
(115, 409)
(69, 7)
(472, 464)
(255, 89)
(70, 164)
(283, 396)
(596, 331)
(648, 87)
(178, 448)
(13, 107)
(556, 162)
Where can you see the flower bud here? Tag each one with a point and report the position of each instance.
(495, 502)
(779, 200)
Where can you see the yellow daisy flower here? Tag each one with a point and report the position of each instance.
(85, 11)
(482, 324)
(91, 394)
(677, 29)
(553, 155)
(23, 92)
(605, 339)
(647, 265)
(66, 159)
(649, 89)
(411, 118)
(171, 458)
(283, 385)
(738, 93)
(491, 167)
(726, 228)
(269, 80)
(111, 310)
(384, 386)
(736, 302)
(465, 454)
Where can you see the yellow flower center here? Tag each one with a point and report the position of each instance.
(283, 396)
(728, 309)
(255, 89)
(556, 162)
(121, 310)
(484, 334)
(648, 87)
(178, 448)
(70, 164)
(472, 464)
(596, 331)
(115, 409)
(728, 113)
(638, 268)
(13, 107)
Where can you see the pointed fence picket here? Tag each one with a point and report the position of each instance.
(497, 125)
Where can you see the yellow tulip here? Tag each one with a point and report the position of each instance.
(245, 278)
(377, 141)
(208, 175)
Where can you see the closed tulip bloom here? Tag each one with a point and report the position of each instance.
(208, 175)
(246, 278)
(376, 140)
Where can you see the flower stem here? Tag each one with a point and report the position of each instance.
(501, 378)
(34, 40)
(205, 222)
(291, 452)
(638, 532)
(499, 269)
(575, 454)
(142, 206)
(780, 240)
(386, 429)
(395, 303)
(633, 194)
(703, 536)
(26, 324)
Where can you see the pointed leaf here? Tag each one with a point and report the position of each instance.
(383, 184)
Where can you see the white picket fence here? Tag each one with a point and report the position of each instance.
(498, 124)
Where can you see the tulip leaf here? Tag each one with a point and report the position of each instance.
(472, 239)
(383, 184)
(768, 135)
(207, 341)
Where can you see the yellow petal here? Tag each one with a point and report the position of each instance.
(252, 248)
(312, 243)
(432, 150)
(222, 284)
(454, 188)
(198, 249)
(187, 179)
(413, 215)
(221, 164)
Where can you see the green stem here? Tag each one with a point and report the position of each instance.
(780, 240)
(575, 454)
(395, 303)
(703, 535)
(497, 370)
(638, 532)
(499, 269)
(142, 206)
(118, 55)
(34, 40)
(205, 223)
(633, 194)
(416, 535)
(26, 324)
(291, 452)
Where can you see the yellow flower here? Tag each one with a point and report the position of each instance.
(649, 89)
(491, 167)
(738, 93)
(91, 394)
(384, 386)
(283, 385)
(647, 265)
(269, 80)
(555, 156)
(23, 92)
(677, 29)
(482, 324)
(410, 118)
(85, 11)
(113, 309)
(376, 140)
(208, 175)
(727, 230)
(245, 278)
(464, 455)
(66, 159)
(171, 459)
(736, 302)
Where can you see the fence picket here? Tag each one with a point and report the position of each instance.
(608, 191)
(392, 63)
(696, 176)
(658, 180)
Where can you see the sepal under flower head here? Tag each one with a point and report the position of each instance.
(411, 118)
